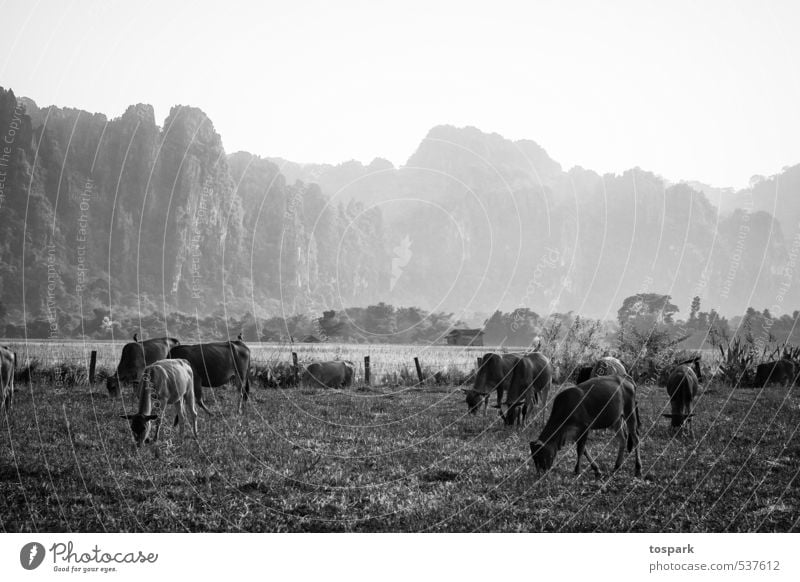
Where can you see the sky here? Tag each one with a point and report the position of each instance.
(702, 91)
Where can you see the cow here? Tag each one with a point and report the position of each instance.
(531, 379)
(494, 373)
(215, 364)
(331, 374)
(683, 384)
(8, 367)
(163, 383)
(599, 403)
(584, 373)
(783, 372)
(608, 366)
(137, 355)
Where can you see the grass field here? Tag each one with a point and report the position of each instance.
(382, 460)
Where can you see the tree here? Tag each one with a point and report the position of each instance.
(694, 309)
(653, 304)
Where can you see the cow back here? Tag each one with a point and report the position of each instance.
(137, 355)
(495, 371)
(608, 366)
(215, 363)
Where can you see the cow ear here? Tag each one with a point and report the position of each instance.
(667, 415)
(127, 416)
(151, 417)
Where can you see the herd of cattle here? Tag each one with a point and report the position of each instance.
(164, 372)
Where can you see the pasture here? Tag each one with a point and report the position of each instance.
(384, 459)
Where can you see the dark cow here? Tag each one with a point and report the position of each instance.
(783, 372)
(494, 374)
(599, 403)
(8, 366)
(584, 373)
(608, 366)
(531, 378)
(165, 382)
(135, 357)
(215, 364)
(682, 386)
(332, 374)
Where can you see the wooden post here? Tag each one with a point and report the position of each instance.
(366, 370)
(419, 370)
(480, 361)
(295, 369)
(92, 365)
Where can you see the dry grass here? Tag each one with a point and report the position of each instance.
(389, 460)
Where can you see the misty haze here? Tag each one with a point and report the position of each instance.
(383, 267)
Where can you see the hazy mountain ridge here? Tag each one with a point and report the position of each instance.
(473, 222)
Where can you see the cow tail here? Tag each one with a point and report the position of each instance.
(201, 404)
(246, 386)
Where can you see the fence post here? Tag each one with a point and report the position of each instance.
(295, 369)
(419, 370)
(366, 370)
(92, 365)
(480, 361)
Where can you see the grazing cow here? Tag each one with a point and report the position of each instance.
(599, 403)
(8, 366)
(608, 366)
(165, 382)
(332, 374)
(783, 372)
(531, 378)
(135, 357)
(682, 386)
(494, 373)
(215, 364)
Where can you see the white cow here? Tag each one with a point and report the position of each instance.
(163, 383)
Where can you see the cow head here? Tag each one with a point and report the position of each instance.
(543, 455)
(474, 400)
(140, 426)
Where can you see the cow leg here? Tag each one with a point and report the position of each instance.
(622, 438)
(583, 451)
(633, 435)
(179, 412)
(158, 424)
(485, 403)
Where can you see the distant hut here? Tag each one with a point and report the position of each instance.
(465, 337)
